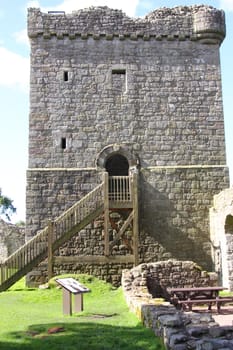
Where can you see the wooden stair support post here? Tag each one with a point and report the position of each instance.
(135, 217)
(122, 230)
(106, 214)
(42, 245)
(50, 248)
(2, 273)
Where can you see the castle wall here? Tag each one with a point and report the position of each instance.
(221, 234)
(52, 191)
(161, 95)
(12, 237)
(174, 212)
(151, 86)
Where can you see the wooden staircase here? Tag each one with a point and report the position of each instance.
(53, 236)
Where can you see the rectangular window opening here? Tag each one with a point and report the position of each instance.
(119, 71)
(65, 75)
(119, 81)
(63, 143)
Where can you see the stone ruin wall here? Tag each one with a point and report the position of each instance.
(221, 234)
(152, 279)
(150, 87)
(12, 237)
(178, 330)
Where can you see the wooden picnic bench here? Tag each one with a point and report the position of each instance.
(187, 297)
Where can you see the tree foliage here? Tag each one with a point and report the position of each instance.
(6, 206)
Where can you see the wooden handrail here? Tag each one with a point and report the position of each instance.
(64, 227)
(119, 189)
(78, 211)
(36, 249)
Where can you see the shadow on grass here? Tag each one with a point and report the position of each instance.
(83, 336)
(21, 290)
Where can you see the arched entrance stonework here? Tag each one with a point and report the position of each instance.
(102, 107)
(221, 234)
(117, 165)
(116, 153)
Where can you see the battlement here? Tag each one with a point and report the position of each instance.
(199, 22)
(110, 93)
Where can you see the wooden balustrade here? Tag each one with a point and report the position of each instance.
(78, 212)
(36, 249)
(119, 188)
(64, 227)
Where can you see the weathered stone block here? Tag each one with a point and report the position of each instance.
(101, 87)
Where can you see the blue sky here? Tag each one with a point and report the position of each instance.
(14, 80)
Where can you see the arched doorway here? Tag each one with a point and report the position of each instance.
(117, 165)
(118, 159)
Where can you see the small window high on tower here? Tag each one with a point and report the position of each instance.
(119, 80)
(63, 143)
(65, 75)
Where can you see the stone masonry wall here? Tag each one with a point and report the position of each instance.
(179, 330)
(148, 87)
(110, 272)
(52, 191)
(155, 278)
(12, 237)
(221, 229)
(171, 225)
(169, 109)
(174, 212)
(196, 21)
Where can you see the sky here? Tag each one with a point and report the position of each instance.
(14, 80)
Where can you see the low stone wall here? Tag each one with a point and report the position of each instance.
(157, 277)
(12, 237)
(179, 330)
(108, 271)
(221, 235)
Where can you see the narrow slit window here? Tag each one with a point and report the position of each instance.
(229, 224)
(63, 143)
(65, 75)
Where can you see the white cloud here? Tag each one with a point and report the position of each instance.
(22, 37)
(226, 5)
(129, 7)
(147, 4)
(14, 69)
(33, 3)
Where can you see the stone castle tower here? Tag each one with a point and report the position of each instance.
(116, 94)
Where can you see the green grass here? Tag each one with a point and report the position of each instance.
(6, 271)
(225, 293)
(105, 323)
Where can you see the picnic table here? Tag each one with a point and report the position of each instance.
(187, 297)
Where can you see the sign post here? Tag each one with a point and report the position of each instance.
(71, 286)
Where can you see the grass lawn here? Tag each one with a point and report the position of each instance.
(30, 316)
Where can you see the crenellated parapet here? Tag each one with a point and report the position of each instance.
(198, 22)
(110, 93)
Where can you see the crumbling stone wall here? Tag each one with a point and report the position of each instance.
(157, 277)
(178, 330)
(148, 87)
(221, 230)
(12, 237)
